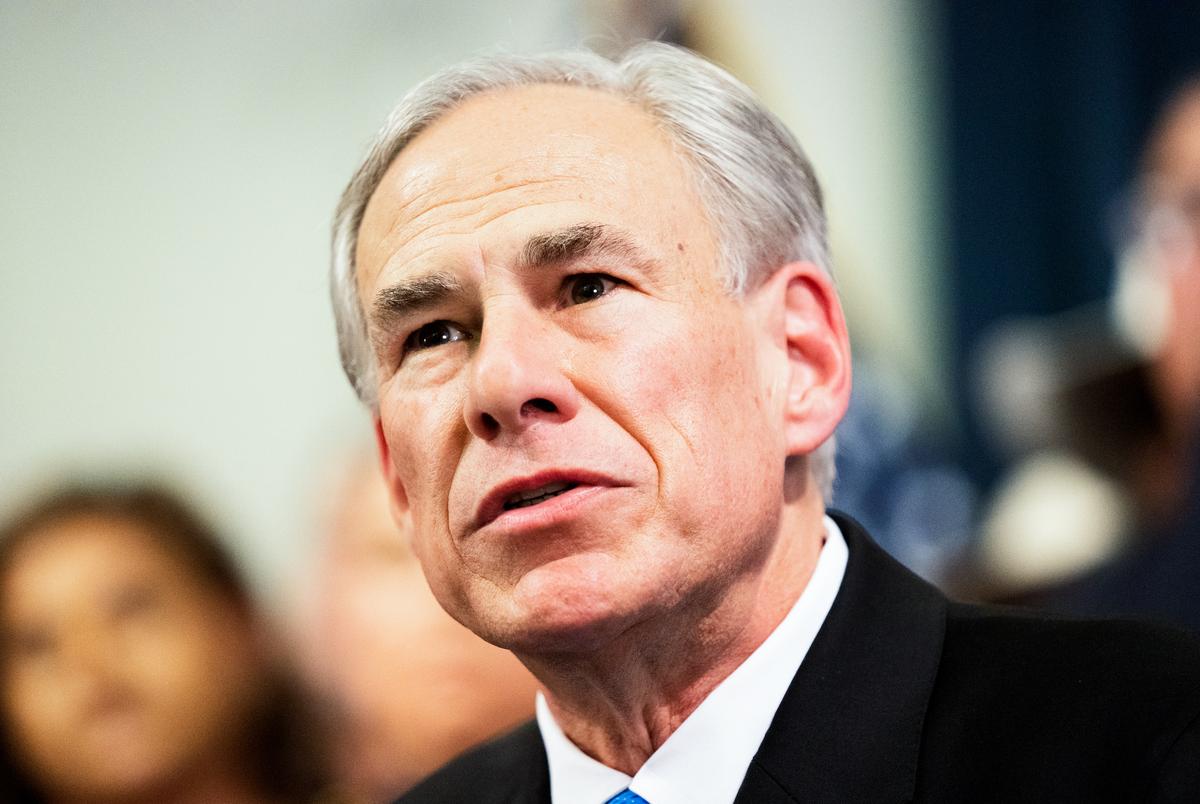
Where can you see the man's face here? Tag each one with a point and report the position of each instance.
(584, 427)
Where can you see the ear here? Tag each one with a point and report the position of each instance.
(397, 496)
(806, 320)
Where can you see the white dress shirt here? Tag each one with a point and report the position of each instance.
(706, 758)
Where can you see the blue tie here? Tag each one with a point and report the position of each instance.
(627, 796)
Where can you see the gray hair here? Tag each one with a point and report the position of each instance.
(757, 186)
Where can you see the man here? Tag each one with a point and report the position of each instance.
(587, 304)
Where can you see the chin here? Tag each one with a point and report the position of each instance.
(575, 635)
(126, 777)
(576, 604)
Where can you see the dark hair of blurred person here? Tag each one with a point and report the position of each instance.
(134, 664)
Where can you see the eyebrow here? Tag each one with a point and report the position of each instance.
(580, 241)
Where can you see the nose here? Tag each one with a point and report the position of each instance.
(91, 657)
(517, 378)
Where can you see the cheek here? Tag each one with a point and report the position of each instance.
(423, 427)
(36, 711)
(43, 724)
(696, 391)
(426, 435)
(698, 403)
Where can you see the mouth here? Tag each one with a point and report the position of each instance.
(537, 490)
(524, 499)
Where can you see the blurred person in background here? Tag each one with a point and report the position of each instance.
(1117, 494)
(1158, 307)
(135, 666)
(1171, 188)
(411, 688)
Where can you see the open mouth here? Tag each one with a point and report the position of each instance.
(525, 499)
(539, 489)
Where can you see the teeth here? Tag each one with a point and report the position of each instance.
(534, 496)
(553, 488)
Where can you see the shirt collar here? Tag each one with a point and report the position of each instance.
(706, 758)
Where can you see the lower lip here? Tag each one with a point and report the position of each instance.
(554, 511)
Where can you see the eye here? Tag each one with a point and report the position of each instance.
(32, 644)
(435, 333)
(584, 288)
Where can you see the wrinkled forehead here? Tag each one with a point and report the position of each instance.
(520, 148)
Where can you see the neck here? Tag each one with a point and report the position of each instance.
(621, 703)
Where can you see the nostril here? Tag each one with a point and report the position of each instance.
(489, 425)
(544, 405)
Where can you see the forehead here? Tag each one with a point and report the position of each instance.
(518, 156)
(75, 556)
(1175, 156)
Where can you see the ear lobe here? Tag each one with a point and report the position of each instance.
(397, 496)
(818, 354)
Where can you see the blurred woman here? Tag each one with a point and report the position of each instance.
(133, 666)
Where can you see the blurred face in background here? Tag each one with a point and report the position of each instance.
(414, 687)
(1173, 166)
(122, 672)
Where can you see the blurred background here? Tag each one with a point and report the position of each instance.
(1015, 216)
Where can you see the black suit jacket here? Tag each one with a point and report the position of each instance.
(906, 696)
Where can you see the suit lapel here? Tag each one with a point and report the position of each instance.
(536, 788)
(849, 727)
(518, 762)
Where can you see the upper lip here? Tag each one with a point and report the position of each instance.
(492, 504)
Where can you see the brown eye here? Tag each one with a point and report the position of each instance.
(32, 644)
(435, 333)
(589, 287)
